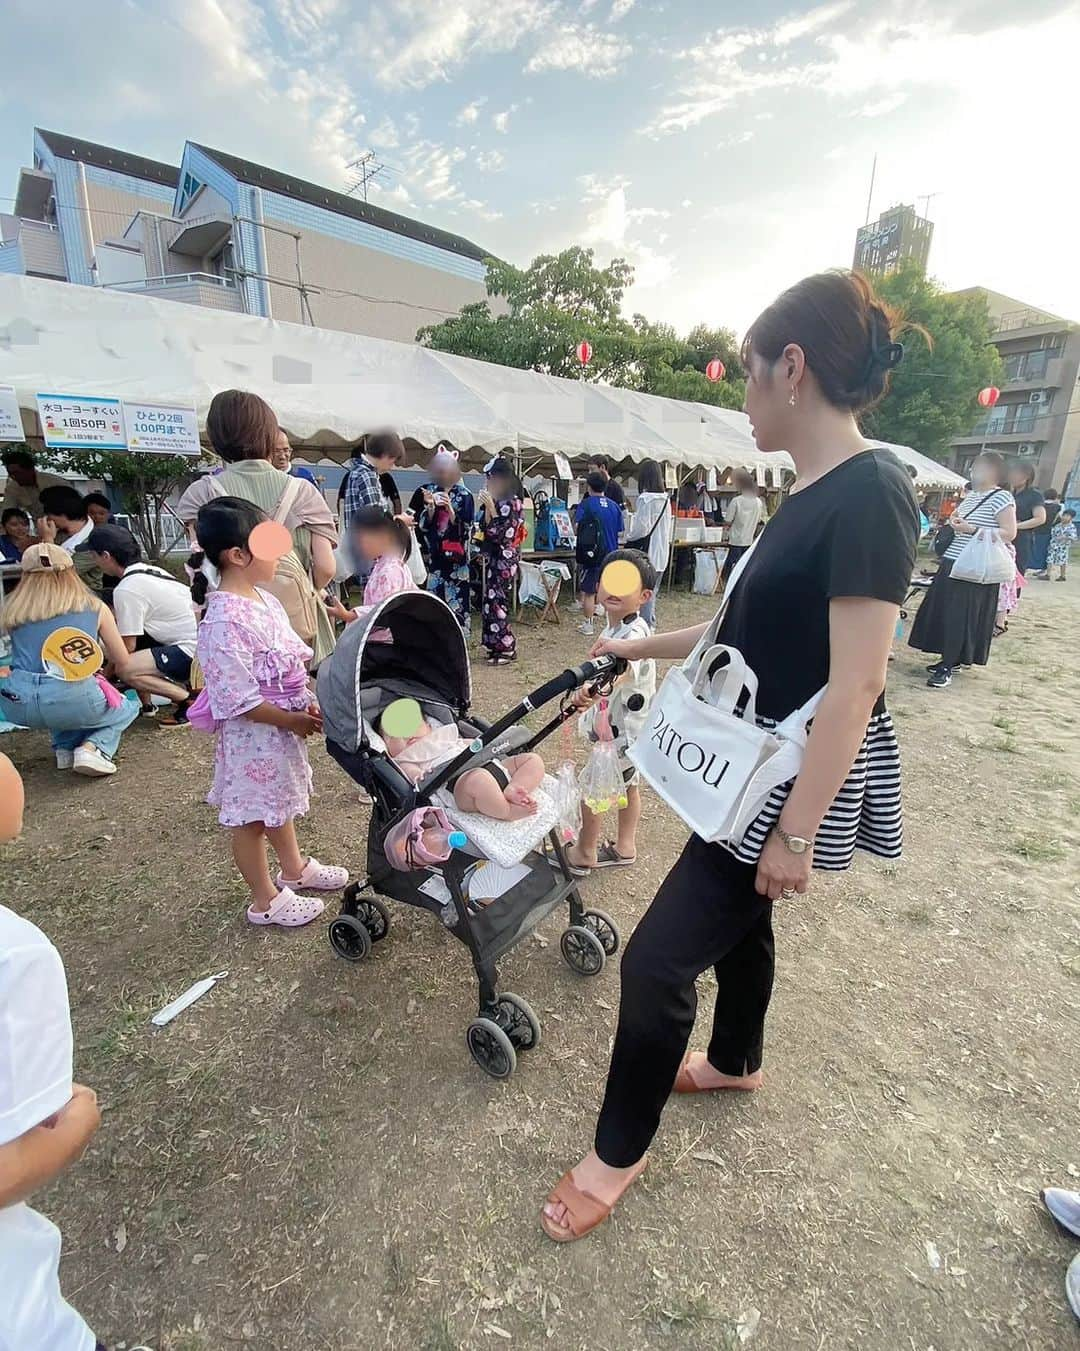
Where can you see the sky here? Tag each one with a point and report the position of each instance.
(724, 150)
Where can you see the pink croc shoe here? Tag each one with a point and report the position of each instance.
(288, 910)
(316, 877)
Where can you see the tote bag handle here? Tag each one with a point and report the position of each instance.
(725, 686)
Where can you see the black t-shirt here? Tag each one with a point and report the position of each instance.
(1027, 499)
(851, 533)
(1053, 511)
(615, 492)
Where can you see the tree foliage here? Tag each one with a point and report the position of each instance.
(560, 300)
(144, 482)
(933, 393)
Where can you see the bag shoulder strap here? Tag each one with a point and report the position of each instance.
(967, 515)
(285, 501)
(663, 512)
(149, 570)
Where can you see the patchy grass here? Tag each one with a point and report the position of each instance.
(1038, 849)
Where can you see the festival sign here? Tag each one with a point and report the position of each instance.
(81, 422)
(161, 428)
(10, 421)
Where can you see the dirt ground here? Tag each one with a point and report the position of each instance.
(308, 1158)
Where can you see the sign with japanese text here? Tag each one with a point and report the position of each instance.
(161, 428)
(81, 422)
(10, 421)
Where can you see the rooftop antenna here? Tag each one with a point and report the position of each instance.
(927, 198)
(362, 171)
(870, 194)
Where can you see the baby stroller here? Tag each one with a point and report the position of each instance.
(428, 661)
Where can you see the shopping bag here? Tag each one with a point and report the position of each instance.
(601, 781)
(702, 751)
(984, 559)
(567, 796)
(706, 568)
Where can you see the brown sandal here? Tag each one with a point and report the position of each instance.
(686, 1083)
(583, 1211)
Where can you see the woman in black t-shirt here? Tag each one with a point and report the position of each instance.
(815, 605)
(1030, 513)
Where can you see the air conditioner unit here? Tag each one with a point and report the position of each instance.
(1037, 396)
(1027, 450)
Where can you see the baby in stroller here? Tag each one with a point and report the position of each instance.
(501, 789)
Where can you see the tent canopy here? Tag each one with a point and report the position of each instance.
(329, 389)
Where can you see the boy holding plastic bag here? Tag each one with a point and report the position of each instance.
(627, 582)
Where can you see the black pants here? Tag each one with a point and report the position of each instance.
(706, 913)
(734, 553)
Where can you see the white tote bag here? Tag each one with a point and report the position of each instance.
(984, 559)
(711, 765)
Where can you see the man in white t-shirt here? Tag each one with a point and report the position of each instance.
(46, 1121)
(744, 516)
(154, 615)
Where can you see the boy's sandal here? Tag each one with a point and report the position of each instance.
(316, 876)
(288, 910)
(583, 1211)
(607, 856)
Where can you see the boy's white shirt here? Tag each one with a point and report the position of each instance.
(35, 1082)
(639, 678)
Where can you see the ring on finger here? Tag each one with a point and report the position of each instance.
(786, 893)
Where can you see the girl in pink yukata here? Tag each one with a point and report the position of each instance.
(257, 695)
(385, 542)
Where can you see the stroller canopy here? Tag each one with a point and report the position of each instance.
(426, 659)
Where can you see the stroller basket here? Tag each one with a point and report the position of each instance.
(427, 659)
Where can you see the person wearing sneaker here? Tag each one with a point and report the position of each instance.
(956, 618)
(598, 521)
(61, 636)
(258, 704)
(1064, 1206)
(154, 615)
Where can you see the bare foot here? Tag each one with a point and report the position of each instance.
(704, 1077)
(518, 796)
(519, 811)
(605, 1183)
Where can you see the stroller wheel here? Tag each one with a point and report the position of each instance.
(605, 928)
(374, 916)
(520, 1023)
(582, 950)
(491, 1048)
(349, 938)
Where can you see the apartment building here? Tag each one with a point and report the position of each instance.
(220, 231)
(1037, 417)
(897, 236)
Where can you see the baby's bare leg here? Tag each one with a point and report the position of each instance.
(478, 792)
(526, 775)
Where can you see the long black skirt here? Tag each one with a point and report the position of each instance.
(956, 620)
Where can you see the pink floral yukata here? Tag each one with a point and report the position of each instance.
(389, 576)
(250, 655)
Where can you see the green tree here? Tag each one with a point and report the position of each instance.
(560, 300)
(933, 394)
(145, 483)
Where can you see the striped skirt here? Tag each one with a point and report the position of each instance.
(866, 813)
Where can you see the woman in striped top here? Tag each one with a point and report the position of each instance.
(815, 605)
(956, 619)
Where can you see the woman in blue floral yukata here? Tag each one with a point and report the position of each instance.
(447, 512)
(502, 522)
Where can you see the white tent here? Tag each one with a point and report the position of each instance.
(329, 388)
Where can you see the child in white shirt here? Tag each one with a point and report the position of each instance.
(628, 707)
(46, 1121)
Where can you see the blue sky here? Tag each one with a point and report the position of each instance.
(725, 150)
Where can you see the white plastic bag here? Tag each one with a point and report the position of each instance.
(567, 797)
(530, 587)
(984, 559)
(601, 781)
(705, 572)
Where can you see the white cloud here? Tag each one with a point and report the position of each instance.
(579, 47)
(489, 161)
(803, 25)
(610, 225)
(501, 121)
(620, 9)
(470, 113)
(415, 43)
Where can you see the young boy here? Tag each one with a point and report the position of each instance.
(46, 1121)
(628, 707)
(598, 521)
(1062, 537)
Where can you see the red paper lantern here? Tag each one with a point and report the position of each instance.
(584, 352)
(989, 396)
(715, 370)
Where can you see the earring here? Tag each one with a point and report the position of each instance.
(791, 399)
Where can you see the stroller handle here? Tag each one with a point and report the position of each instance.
(573, 678)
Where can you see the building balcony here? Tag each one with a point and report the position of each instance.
(190, 288)
(33, 249)
(1028, 324)
(1054, 375)
(999, 438)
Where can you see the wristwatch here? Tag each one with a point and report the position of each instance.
(795, 844)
